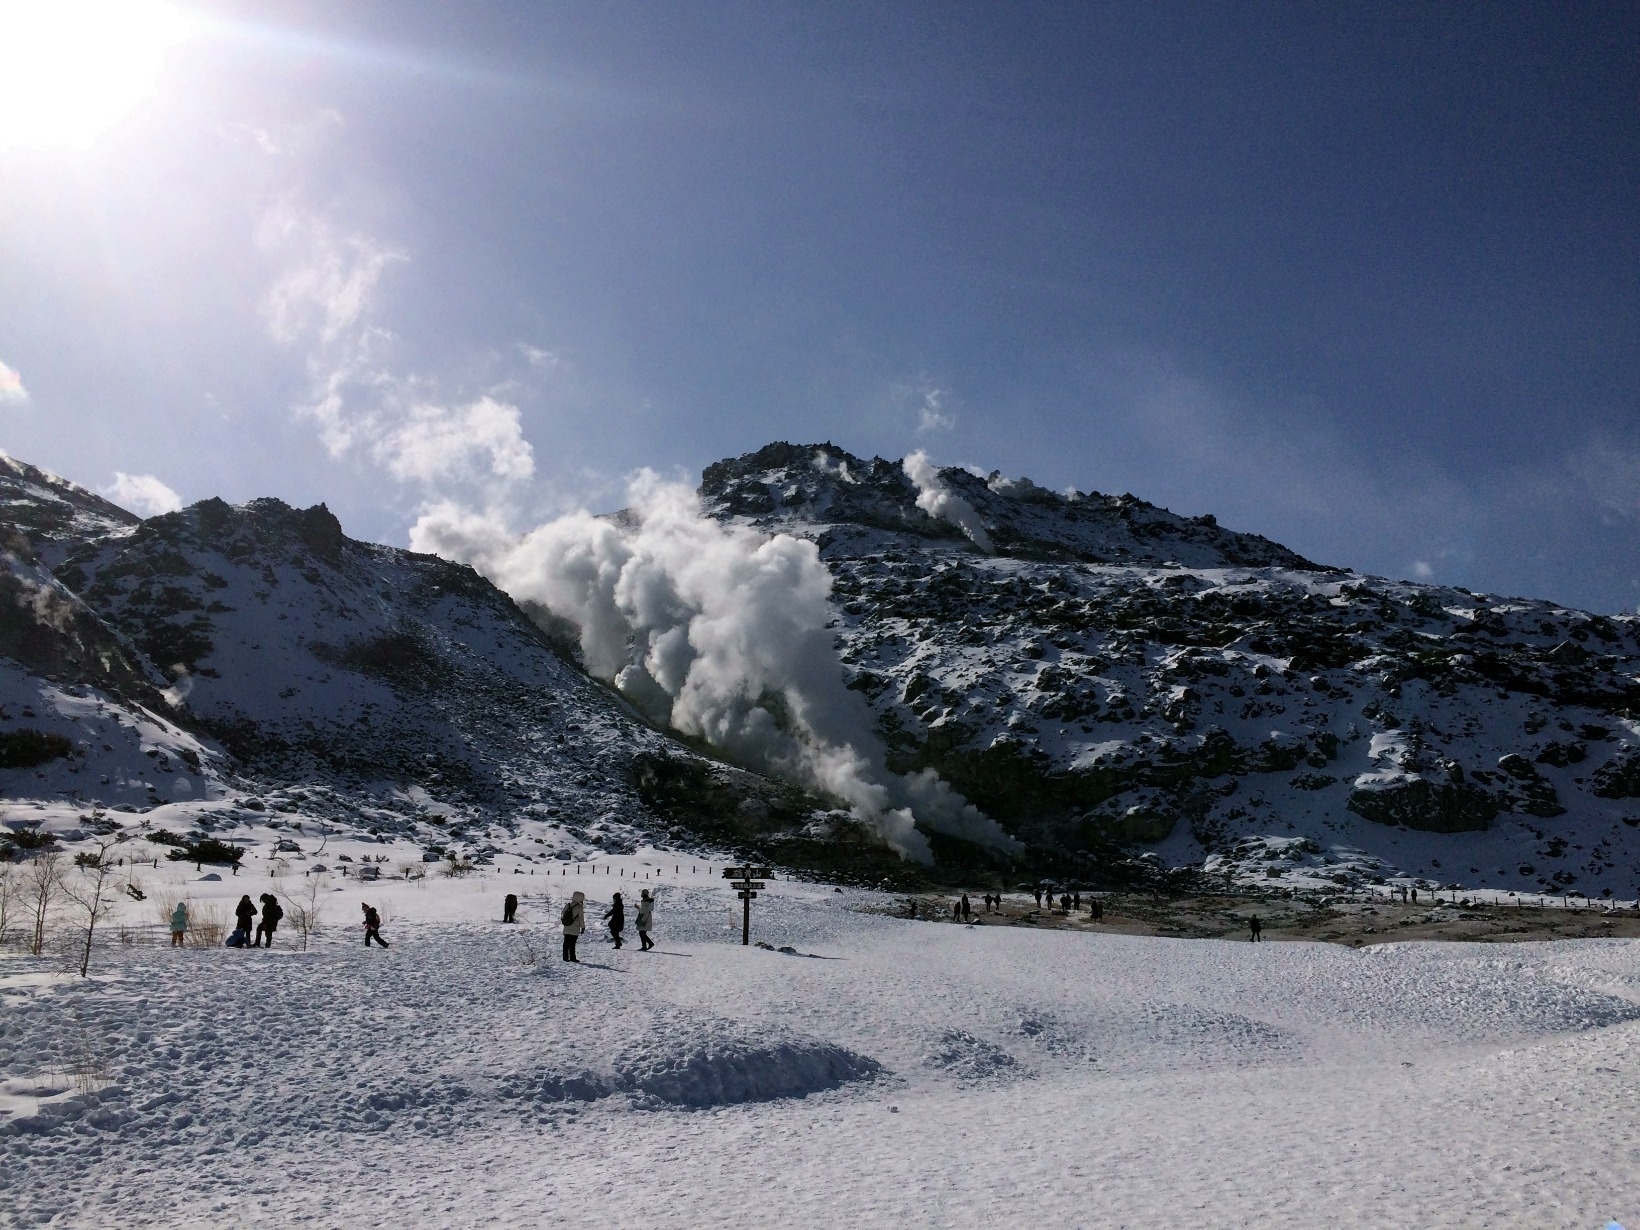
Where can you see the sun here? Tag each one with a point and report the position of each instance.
(72, 69)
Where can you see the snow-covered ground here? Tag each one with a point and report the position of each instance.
(883, 1073)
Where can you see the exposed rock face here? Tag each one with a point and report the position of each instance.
(1099, 668)
(1419, 803)
(1619, 777)
(51, 515)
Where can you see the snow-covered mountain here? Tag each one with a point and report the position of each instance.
(1084, 667)
(223, 661)
(1090, 671)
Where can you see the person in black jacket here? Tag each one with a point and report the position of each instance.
(245, 912)
(372, 926)
(509, 908)
(272, 912)
(616, 917)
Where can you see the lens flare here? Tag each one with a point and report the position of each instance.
(72, 69)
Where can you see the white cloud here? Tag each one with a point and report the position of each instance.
(931, 415)
(12, 392)
(143, 494)
(543, 360)
(1422, 570)
(434, 442)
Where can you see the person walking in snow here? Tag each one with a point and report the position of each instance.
(575, 922)
(1255, 928)
(179, 923)
(616, 917)
(245, 912)
(967, 909)
(646, 920)
(509, 908)
(1037, 893)
(372, 925)
(272, 912)
(1096, 909)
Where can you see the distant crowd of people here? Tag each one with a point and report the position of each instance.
(256, 928)
(1068, 903)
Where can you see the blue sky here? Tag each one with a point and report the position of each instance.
(1361, 278)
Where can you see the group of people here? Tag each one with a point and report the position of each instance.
(267, 922)
(574, 919)
(246, 913)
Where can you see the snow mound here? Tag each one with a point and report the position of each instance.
(969, 1058)
(1058, 1039)
(722, 1063)
(557, 1087)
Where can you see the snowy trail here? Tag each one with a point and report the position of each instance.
(953, 1076)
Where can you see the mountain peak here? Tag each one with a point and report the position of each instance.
(823, 491)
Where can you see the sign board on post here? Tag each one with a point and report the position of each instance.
(747, 880)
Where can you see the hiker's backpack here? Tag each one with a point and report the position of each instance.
(569, 914)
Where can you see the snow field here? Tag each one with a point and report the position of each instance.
(885, 1072)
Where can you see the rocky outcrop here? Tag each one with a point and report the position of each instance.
(1420, 803)
(1619, 777)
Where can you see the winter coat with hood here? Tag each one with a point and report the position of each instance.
(646, 912)
(577, 915)
(179, 917)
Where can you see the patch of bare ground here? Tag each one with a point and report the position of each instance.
(1329, 920)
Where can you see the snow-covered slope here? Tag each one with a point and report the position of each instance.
(1086, 667)
(881, 1073)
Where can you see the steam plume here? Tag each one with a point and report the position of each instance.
(720, 632)
(938, 500)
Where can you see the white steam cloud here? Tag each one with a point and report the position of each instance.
(720, 632)
(938, 500)
(430, 443)
(143, 494)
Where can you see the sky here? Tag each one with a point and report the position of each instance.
(1363, 278)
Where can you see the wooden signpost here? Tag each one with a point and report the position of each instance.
(748, 880)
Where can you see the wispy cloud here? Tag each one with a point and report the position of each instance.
(12, 392)
(932, 415)
(541, 360)
(143, 494)
(325, 301)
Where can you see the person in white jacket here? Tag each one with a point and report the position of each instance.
(646, 920)
(575, 922)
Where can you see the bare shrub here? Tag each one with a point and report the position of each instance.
(42, 880)
(306, 909)
(10, 900)
(207, 924)
(91, 891)
(87, 1068)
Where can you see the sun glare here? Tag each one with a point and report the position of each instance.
(72, 69)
